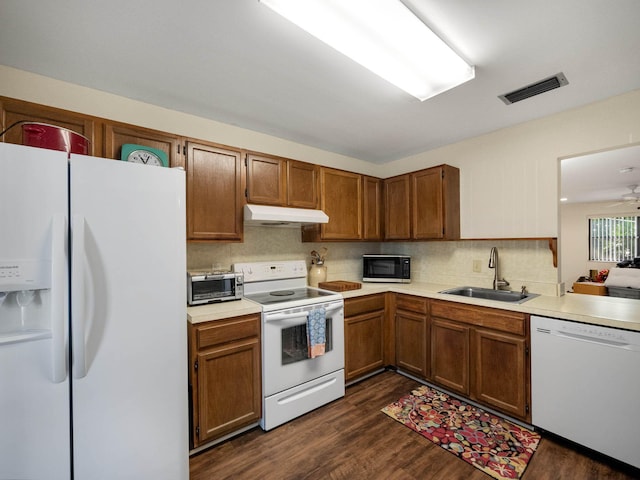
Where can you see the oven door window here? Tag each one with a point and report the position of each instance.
(295, 346)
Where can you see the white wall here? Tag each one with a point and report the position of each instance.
(574, 237)
(510, 178)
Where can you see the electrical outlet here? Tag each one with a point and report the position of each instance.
(477, 266)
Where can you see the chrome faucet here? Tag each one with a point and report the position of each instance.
(493, 263)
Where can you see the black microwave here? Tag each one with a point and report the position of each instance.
(386, 268)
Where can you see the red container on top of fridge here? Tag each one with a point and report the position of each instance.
(43, 135)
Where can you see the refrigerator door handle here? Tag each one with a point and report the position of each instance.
(58, 297)
(77, 297)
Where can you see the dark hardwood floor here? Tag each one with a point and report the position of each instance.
(351, 439)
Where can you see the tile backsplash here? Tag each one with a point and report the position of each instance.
(522, 262)
(262, 244)
(526, 263)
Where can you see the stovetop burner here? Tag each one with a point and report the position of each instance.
(281, 284)
(286, 296)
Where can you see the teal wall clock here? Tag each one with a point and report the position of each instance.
(143, 154)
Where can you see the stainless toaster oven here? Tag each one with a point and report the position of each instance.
(209, 287)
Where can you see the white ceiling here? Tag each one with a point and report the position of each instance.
(601, 176)
(238, 62)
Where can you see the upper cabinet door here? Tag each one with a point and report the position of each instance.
(436, 203)
(397, 208)
(341, 200)
(266, 180)
(372, 208)
(116, 135)
(302, 184)
(215, 193)
(427, 218)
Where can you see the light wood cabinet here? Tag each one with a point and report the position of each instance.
(397, 208)
(215, 193)
(363, 335)
(450, 355)
(372, 208)
(436, 203)
(13, 111)
(502, 371)
(482, 353)
(224, 377)
(282, 182)
(341, 200)
(353, 203)
(412, 330)
(423, 205)
(302, 184)
(118, 134)
(266, 180)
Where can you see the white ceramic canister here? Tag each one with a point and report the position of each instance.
(317, 274)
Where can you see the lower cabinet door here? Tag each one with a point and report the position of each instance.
(363, 346)
(450, 355)
(411, 343)
(229, 390)
(501, 373)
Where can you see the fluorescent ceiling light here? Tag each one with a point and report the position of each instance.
(383, 36)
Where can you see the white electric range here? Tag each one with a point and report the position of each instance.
(293, 383)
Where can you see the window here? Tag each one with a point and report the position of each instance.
(613, 239)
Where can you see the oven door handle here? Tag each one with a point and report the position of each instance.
(274, 317)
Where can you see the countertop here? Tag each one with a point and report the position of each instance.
(217, 311)
(593, 309)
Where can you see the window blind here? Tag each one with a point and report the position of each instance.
(613, 239)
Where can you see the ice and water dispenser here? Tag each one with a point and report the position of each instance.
(25, 287)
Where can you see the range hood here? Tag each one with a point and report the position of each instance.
(269, 216)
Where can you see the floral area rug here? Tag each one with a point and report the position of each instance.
(496, 446)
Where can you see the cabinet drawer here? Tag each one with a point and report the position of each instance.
(223, 331)
(369, 303)
(493, 318)
(411, 303)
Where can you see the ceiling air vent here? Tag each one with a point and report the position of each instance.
(534, 89)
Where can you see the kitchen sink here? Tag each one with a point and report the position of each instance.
(490, 294)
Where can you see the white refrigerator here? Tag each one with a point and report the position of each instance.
(93, 360)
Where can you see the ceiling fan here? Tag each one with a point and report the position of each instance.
(629, 198)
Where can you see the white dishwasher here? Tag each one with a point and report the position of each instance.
(585, 385)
